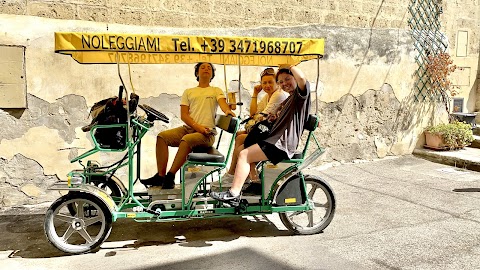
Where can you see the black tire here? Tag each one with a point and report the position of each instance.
(77, 233)
(322, 199)
(109, 185)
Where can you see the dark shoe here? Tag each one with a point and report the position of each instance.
(154, 181)
(226, 197)
(169, 182)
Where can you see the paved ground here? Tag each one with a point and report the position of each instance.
(401, 213)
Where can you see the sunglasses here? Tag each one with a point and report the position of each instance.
(267, 71)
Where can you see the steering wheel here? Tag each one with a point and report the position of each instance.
(153, 114)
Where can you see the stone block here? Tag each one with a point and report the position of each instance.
(170, 19)
(127, 4)
(51, 10)
(178, 5)
(255, 13)
(93, 13)
(370, 9)
(86, 2)
(330, 5)
(350, 7)
(16, 7)
(284, 14)
(311, 16)
(132, 17)
(380, 23)
(235, 9)
(334, 19)
(360, 21)
(203, 9)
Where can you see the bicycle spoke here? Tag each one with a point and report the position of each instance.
(93, 220)
(85, 235)
(312, 191)
(68, 233)
(80, 210)
(64, 218)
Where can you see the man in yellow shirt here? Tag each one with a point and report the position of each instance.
(197, 109)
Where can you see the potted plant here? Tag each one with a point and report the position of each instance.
(455, 135)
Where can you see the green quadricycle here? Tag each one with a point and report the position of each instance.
(81, 220)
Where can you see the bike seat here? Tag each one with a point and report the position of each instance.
(205, 154)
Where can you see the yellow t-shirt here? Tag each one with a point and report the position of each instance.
(202, 104)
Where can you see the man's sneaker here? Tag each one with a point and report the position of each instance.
(169, 182)
(154, 181)
(226, 197)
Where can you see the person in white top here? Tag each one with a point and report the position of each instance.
(268, 105)
(198, 106)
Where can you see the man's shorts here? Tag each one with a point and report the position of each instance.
(174, 136)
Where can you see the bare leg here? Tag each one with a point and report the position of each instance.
(249, 155)
(239, 140)
(162, 156)
(180, 157)
(253, 172)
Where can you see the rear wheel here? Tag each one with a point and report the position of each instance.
(322, 201)
(77, 233)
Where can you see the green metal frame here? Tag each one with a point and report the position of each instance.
(131, 199)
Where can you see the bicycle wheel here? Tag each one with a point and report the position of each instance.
(321, 199)
(109, 185)
(77, 233)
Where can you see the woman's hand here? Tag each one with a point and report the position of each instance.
(284, 66)
(256, 90)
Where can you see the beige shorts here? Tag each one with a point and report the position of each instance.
(174, 136)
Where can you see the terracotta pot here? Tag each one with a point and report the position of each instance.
(434, 141)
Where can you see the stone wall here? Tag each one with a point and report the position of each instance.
(218, 13)
(365, 99)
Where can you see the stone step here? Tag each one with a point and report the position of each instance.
(468, 158)
(476, 142)
(476, 130)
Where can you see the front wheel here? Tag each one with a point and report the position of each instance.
(322, 201)
(77, 233)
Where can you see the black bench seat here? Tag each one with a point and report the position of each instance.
(206, 154)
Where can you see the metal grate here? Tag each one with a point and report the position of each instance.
(428, 41)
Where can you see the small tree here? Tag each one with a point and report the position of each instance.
(439, 68)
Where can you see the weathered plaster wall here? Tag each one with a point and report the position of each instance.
(366, 105)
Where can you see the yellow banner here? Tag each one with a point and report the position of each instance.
(90, 48)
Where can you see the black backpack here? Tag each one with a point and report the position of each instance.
(111, 111)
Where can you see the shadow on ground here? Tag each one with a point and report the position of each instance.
(249, 259)
(24, 234)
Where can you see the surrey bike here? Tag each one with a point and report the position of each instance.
(81, 220)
